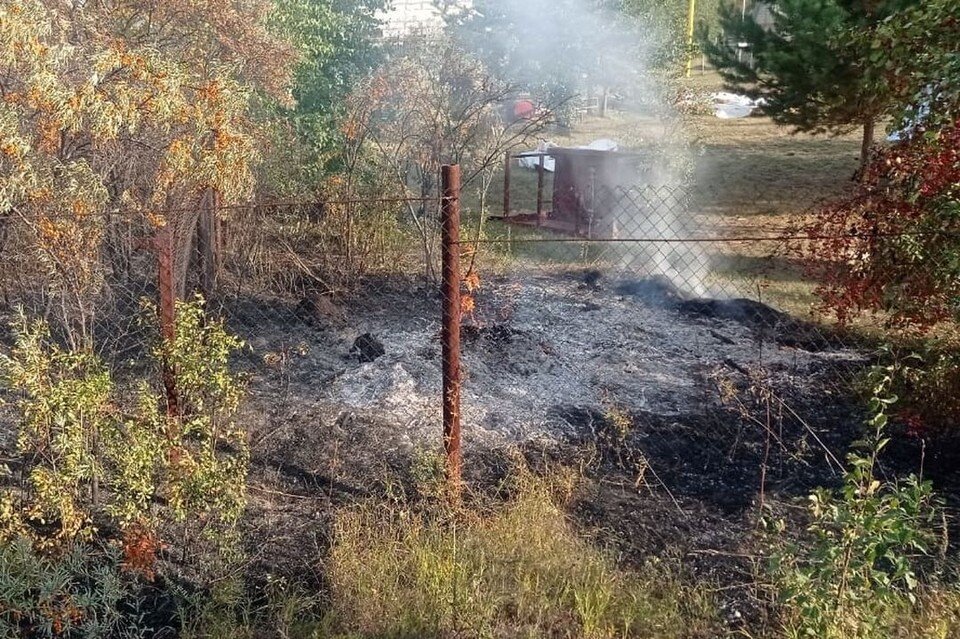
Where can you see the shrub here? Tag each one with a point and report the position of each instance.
(857, 573)
(93, 449)
(893, 246)
(894, 252)
(928, 369)
(65, 413)
(519, 569)
(82, 593)
(206, 452)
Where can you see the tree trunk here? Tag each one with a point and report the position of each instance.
(869, 126)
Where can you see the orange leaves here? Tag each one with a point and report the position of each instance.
(179, 147)
(40, 195)
(380, 89)
(167, 99)
(48, 134)
(155, 219)
(210, 92)
(12, 151)
(225, 139)
(471, 283)
(36, 98)
(74, 102)
(48, 230)
(351, 128)
(80, 208)
(135, 64)
(62, 614)
(64, 237)
(140, 548)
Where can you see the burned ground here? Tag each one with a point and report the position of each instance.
(686, 417)
(682, 414)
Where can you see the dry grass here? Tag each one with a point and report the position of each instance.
(936, 616)
(516, 570)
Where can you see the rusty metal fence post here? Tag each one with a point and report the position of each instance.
(450, 333)
(541, 215)
(506, 185)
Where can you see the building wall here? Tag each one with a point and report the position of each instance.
(406, 16)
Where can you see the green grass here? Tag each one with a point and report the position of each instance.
(520, 569)
(752, 178)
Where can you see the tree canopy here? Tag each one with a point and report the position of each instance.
(914, 55)
(339, 44)
(132, 104)
(667, 19)
(813, 68)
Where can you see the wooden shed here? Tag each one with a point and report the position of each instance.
(587, 184)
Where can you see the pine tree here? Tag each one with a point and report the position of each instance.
(812, 67)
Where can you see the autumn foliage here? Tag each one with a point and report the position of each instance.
(893, 250)
(117, 116)
(894, 246)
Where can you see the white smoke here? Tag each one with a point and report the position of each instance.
(580, 47)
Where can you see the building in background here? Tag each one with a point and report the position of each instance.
(409, 16)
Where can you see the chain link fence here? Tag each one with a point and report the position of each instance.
(611, 307)
(627, 325)
(674, 342)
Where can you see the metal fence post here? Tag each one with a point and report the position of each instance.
(506, 186)
(541, 216)
(450, 333)
(168, 301)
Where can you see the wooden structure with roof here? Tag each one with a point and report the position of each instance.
(586, 185)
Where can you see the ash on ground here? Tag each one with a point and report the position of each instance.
(538, 350)
(685, 413)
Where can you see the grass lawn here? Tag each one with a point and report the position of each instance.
(752, 177)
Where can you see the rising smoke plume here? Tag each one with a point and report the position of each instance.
(563, 51)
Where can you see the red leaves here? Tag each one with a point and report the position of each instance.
(140, 548)
(895, 245)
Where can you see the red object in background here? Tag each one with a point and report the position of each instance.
(523, 109)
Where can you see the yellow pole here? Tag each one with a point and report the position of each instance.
(690, 16)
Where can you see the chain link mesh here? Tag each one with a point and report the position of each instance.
(642, 328)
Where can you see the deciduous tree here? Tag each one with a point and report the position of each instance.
(114, 113)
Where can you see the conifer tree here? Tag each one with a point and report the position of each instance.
(812, 68)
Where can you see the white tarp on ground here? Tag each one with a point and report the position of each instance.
(532, 159)
(922, 112)
(731, 106)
